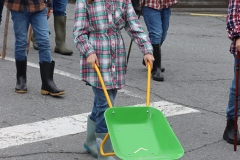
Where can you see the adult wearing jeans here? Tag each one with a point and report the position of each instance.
(59, 13)
(156, 14)
(34, 12)
(233, 25)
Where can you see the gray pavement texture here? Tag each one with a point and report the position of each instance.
(199, 70)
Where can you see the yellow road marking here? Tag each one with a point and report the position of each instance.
(208, 15)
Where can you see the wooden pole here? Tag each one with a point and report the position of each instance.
(236, 102)
(5, 35)
(29, 38)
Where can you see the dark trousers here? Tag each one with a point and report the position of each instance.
(1, 8)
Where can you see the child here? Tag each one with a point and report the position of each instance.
(97, 35)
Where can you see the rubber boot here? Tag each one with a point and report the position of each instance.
(48, 85)
(162, 68)
(156, 71)
(90, 143)
(60, 32)
(229, 133)
(35, 45)
(21, 86)
(107, 146)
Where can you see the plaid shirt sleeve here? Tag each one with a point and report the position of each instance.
(233, 21)
(80, 30)
(135, 30)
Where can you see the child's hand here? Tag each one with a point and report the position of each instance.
(149, 58)
(92, 59)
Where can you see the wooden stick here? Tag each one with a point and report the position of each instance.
(5, 34)
(29, 38)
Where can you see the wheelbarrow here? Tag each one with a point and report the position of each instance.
(139, 132)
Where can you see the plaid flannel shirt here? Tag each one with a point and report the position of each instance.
(30, 5)
(97, 29)
(158, 4)
(233, 23)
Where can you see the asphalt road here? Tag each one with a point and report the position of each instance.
(199, 69)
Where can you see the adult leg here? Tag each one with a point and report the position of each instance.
(165, 16)
(59, 12)
(229, 130)
(20, 26)
(101, 128)
(153, 20)
(40, 28)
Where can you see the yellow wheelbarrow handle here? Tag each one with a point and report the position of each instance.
(148, 85)
(103, 85)
(110, 103)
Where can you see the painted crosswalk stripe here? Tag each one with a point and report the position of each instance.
(63, 126)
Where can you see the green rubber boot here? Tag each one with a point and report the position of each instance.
(60, 35)
(90, 143)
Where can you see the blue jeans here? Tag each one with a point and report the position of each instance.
(38, 20)
(59, 7)
(232, 96)
(157, 22)
(100, 105)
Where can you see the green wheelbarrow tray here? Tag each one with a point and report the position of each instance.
(141, 133)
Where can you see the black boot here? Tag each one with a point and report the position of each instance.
(229, 132)
(48, 85)
(162, 68)
(21, 86)
(156, 71)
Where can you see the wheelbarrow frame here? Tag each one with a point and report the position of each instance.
(175, 144)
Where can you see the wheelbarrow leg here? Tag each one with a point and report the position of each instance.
(107, 146)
